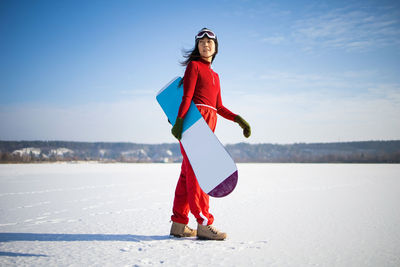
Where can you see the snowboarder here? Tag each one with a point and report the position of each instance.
(200, 84)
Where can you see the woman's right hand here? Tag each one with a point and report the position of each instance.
(177, 129)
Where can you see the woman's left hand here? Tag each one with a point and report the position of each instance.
(177, 129)
(245, 126)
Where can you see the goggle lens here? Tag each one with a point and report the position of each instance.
(201, 34)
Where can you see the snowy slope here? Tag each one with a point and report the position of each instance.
(279, 215)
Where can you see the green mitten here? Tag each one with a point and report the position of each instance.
(177, 129)
(245, 126)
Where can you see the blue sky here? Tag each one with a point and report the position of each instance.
(298, 71)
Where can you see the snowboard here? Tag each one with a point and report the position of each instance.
(215, 170)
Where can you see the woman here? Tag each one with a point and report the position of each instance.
(200, 84)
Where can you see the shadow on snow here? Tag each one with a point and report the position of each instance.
(12, 254)
(9, 237)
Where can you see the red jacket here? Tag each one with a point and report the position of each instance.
(201, 84)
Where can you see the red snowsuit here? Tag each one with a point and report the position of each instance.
(200, 84)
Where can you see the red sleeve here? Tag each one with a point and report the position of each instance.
(189, 84)
(223, 111)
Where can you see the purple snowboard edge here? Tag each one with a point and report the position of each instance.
(226, 187)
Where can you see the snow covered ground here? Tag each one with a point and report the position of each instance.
(279, 215)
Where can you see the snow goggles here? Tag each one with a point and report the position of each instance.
(205, 32)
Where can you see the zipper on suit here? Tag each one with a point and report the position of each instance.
(212, 75)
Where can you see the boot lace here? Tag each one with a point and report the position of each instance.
(212, 229)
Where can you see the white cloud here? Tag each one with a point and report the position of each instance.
(348, 29)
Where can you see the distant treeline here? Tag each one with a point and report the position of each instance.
(342, 152)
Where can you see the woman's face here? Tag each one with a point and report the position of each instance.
(206, 48)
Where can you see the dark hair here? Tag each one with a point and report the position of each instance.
(194, 54)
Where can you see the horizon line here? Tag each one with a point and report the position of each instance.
(171, 143)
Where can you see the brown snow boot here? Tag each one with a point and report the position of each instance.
(182, 230)
(209, 232)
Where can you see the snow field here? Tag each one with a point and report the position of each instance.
(279, 215)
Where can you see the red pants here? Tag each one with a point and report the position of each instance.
(188, 194)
